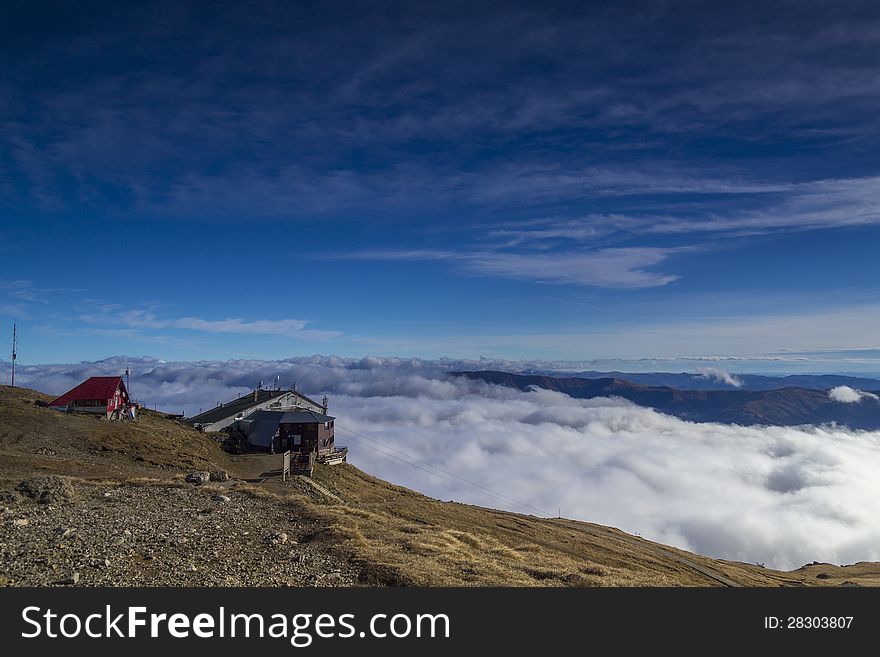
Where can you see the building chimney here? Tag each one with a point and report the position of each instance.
(325, 404)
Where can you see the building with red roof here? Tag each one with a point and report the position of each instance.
(98, 394)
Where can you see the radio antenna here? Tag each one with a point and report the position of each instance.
(14, 336)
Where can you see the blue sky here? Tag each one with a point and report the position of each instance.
(515, 180)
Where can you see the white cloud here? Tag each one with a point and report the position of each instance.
(613, 268)
(260, 326)
(783, 496)
(143, 319)
(847, 395)
(721, 377)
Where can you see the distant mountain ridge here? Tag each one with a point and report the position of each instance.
(715, 381)
(789, 406)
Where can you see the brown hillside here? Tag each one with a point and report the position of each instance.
(123, 516)
(35, 438)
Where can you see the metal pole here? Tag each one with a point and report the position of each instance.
(14, 329)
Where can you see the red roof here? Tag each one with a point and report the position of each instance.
(96, 387)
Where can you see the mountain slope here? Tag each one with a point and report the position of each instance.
(708, 381)
(122, 515)
(784, 407)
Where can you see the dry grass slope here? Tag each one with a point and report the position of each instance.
(43, 440)
(387, 534)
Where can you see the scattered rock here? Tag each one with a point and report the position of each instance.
(46, 490)
(849, 583)
(198, 478)
(114, 542)
(72, 580)
(221, 498)
(276, 538)
(10, 497)
(219, 475)
(107, 494)
(823, 576)
(20, 522)
(67, 532)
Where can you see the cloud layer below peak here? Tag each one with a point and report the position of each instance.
(780, 496)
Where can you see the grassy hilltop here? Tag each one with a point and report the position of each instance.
(91, 502)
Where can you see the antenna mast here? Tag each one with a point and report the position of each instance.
(14, 336)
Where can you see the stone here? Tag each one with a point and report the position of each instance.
(72, 580)
(20, 522)
(69, 532)
(10, 496)
(198, 477)
(334, 579)
(219, 475)
(276, 538)
(46, 489)
(221, 498)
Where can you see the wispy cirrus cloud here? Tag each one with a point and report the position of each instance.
(27, 291)
(814, 205)
(183, 137)
(613, 268)
(20, 297)
(137, 319)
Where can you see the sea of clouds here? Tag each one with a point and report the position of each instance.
(781, 496)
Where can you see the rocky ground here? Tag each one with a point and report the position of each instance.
(57, 531)
(88, 502)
